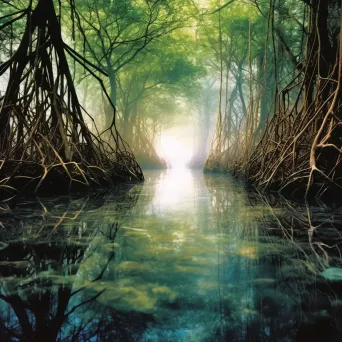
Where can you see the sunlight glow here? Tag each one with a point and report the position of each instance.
(174, 151)
(175, 191)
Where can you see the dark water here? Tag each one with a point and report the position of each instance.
(184, 257)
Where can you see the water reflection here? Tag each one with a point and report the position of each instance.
(44, 245)
(184, 257)
(307, 264)
(174, 191)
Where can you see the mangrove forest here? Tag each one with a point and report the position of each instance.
(170, 170)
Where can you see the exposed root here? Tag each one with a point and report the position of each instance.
(45, 140)
(301, 149)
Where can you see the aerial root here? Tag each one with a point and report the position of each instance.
(304, 157)
(45, 140)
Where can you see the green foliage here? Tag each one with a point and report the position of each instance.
(158, 52)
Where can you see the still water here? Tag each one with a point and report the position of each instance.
(182, 257)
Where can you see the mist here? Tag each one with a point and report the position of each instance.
(170, 170)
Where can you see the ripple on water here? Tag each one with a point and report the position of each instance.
(199, 260)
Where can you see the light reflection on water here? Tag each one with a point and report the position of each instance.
(184, 257)
(174, 191)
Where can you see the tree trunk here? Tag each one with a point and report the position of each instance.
(113, 94)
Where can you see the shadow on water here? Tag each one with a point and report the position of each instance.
(185, 257)
(307, 266)
(294, 265)
(47, 294)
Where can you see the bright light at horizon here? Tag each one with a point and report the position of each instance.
(174, 151)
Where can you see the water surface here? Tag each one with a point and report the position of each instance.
(182, 257)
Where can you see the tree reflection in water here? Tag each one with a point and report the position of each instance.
(43, 246)
(217, 263)
(308, 264)
(294, 265)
